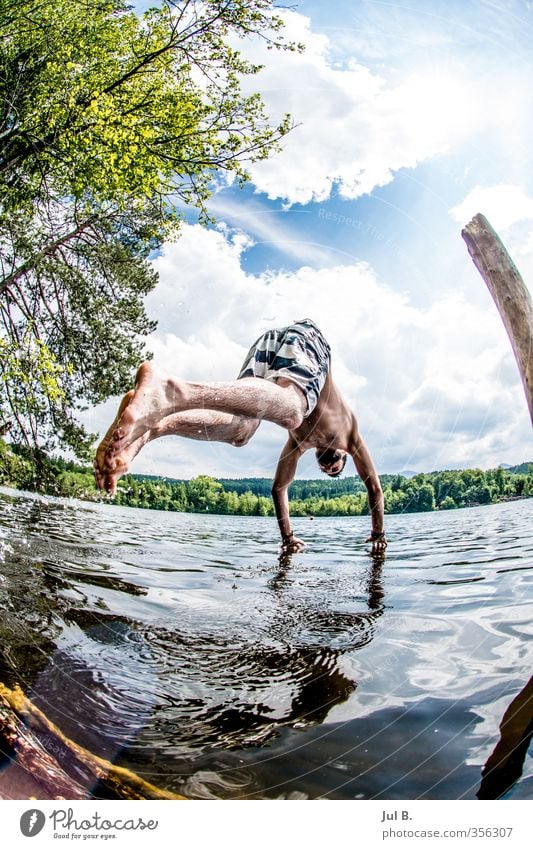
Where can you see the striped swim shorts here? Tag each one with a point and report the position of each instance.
(298, 352)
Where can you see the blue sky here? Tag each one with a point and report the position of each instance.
(411, 117)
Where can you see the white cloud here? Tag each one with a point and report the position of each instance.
(433, 387)
(503, 205)
(509, 209)
(355, 128)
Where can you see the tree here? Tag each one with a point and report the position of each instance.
(203, 493)
(228, 503)
(107, 105)
(14, 470)
(71, 325)
(395, 501)
(108, 119)
(426, 498)
(248, 503)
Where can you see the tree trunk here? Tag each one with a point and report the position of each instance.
(509, 291)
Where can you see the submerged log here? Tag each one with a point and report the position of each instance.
(505, 765)
(40, 762)
(509, 292)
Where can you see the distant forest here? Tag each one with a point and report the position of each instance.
(445, 490)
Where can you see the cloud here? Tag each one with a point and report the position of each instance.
(355, 129)
(509, 209)
(504, 205)
(433, 387)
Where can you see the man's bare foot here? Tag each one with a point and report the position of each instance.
(108, 470)
(100, 461)
(155, 397)
(119, 464)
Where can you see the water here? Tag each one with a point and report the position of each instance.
(177, 646)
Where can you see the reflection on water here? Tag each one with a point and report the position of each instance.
(179, 646)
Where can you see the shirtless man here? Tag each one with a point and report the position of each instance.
(285, 379)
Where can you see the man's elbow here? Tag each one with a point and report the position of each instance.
(373, 486)
(280, 495)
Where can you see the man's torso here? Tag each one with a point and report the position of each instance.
(331, 423)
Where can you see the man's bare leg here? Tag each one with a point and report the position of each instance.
(204, 425)
(158, 395)
(207, 426)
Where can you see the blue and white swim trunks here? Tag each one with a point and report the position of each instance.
(298, 352)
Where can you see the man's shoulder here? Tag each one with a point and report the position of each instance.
(331, 398)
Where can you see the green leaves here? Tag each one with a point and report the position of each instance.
(108, 120)
(72, 315)
(113, 106)
(33, 366)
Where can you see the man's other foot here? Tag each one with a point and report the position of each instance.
(102, 467)
(155, 397)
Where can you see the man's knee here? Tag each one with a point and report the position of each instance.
(240, 440)
(294, 415)
(293, 420)
(295, 405)
(244, 433)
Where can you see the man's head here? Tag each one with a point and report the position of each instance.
(331, 460)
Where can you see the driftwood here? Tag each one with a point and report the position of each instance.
(40, 762)
(504, 766)
(510, 294)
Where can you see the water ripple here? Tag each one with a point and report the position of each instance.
(172, 641)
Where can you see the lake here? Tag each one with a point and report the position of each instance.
(178, 646)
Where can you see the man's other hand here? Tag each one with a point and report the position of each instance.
(290, 544)
(379, 543)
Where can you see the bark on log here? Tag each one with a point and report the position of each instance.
(509, 292)
(505, 765)
(43, 763)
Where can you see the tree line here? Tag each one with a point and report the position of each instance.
(24, 468)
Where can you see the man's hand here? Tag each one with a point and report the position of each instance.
(379, 542)
(290, 544)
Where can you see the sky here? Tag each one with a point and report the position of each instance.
(409, 119)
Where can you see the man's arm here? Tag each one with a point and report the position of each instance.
(285, 472)
(368, 474)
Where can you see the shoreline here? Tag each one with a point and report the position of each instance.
(111, 502)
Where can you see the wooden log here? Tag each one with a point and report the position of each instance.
(505, 765)
(509, 292)
(45, 764)
(28, 770)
